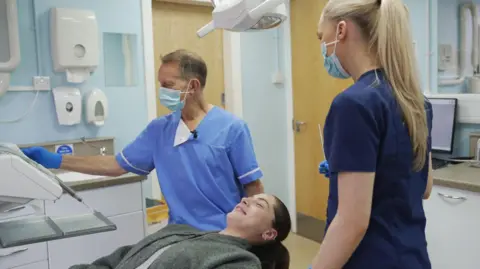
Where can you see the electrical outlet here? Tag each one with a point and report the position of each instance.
(474, 137)
(41, 83)
(445, 57)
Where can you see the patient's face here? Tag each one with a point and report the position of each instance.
(254, 216)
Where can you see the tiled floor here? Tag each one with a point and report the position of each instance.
(302, 251)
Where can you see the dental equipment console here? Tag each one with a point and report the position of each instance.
(22, 181)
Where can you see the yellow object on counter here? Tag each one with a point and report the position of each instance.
(157, 214)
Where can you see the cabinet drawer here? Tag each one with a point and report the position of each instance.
(26, 210)
(37, 265)
(88, 248)
(453, 234)
(17, 256)
(110, 201)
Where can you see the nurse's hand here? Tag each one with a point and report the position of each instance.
(323, 169)
(44, 157)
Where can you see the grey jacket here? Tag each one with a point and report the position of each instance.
(193, 249)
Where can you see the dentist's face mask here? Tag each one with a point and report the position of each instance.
(171, 98)
(331, 62)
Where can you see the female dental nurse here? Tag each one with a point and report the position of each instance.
(377, 140)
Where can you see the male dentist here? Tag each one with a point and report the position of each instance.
(203, 155)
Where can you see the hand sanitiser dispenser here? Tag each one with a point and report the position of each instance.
(74, 44)
(96, 107)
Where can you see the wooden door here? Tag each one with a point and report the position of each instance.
(313, 92)
(175, 27)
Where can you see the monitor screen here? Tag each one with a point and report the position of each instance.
(443, 127)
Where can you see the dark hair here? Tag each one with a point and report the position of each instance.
(274, 255)
(190, 64)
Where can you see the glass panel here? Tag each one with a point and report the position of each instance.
(28, 230)
(84, 224)
(120, 55)
(32, 230)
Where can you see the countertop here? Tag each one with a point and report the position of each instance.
(459, 176)
(102, 182)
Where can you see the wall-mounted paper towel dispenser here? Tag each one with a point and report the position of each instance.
(74, 44)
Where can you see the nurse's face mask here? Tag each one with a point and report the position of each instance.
(171, 98)
(331, 62)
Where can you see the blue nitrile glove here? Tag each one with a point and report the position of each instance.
(44, 157)
(323, 169)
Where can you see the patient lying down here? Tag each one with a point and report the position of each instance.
(251, 240)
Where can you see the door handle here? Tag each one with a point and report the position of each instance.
(448, 196)
(12, 251)
(14, 209)
(297, 124)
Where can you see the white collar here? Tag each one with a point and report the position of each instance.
(182, 134)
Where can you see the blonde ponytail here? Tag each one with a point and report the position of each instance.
(385, 24)
(396, 55)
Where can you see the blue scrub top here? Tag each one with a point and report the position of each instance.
(202, 176)
(364, 132)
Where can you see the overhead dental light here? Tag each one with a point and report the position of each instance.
(245, 15)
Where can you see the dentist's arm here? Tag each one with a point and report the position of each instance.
(136, 157)
(93, 165)
(347, 229)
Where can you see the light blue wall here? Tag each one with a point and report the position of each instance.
(446, 28)
(127, 105)
(264, 105)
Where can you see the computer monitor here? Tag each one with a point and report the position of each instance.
(443, 126)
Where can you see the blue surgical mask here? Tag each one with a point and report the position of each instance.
(331, 62)
(170, 98)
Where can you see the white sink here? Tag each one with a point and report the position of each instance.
(74, 177)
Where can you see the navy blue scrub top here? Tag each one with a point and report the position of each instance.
(364, 132)
(201, 175)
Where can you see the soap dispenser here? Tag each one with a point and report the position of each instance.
(96, 107)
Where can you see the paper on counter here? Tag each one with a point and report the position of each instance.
(74, 177)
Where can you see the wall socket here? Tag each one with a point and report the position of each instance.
(41, 83)
(474, 137)
(445, 57)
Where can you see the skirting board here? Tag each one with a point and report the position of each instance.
(468, 106)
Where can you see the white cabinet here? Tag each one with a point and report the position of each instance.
(109, 201)
(37, 265)
(34, 207)
(453, 228)
(85, 249)
(122, 204)
(16, 256)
